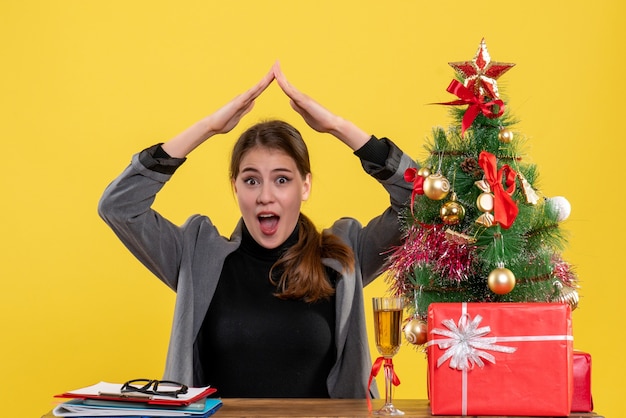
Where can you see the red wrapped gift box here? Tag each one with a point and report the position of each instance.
(500, 359)
(582, 400)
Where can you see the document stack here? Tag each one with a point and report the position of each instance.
(140, 398)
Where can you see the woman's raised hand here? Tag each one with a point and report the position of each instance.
(221, 121)
(318, 117)
(314, 114)
(228, 116)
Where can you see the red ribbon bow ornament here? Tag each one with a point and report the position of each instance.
(476, 104)
(505, 209)
(411, 176)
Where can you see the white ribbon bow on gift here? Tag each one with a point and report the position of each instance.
(466, 343)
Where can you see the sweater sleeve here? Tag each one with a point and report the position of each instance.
(374, 151)
(126, 206)
(156, 159)
(383, 232)
(390, 172)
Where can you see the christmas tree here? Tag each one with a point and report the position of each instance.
(478, 228)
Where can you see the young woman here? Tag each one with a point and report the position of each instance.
(276, 309)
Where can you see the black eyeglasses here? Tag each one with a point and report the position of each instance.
(155, 387)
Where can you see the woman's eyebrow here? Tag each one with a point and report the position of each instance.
(274, 170)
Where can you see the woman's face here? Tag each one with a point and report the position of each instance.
(270, 192)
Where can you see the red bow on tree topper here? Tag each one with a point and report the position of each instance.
(504, 207)
(476, 104)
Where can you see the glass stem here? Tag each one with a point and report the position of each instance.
(388, 380)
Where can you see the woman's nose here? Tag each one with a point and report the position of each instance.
(266, 194)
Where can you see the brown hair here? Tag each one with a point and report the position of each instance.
(302, 274)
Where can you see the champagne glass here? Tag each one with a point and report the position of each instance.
(388, 330)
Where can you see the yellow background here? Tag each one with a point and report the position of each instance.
(84, 84)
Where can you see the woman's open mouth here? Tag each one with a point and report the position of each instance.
(268, 223)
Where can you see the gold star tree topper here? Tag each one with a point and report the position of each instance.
(480, 74)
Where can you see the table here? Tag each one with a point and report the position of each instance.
(336, 408)
(320, 408)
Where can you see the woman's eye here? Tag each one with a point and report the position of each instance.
(282, 180)
(251, 181)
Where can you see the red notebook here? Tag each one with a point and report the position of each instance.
(111, 392)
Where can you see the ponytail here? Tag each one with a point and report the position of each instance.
(301, 272)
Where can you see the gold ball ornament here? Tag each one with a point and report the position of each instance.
(452, 212)
(424, 172)
(501, 281)
(505, 136)
(416, 331)
(436, 187)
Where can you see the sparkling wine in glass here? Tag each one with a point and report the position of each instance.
(388, 329)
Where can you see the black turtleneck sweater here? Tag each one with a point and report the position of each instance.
(253, 344)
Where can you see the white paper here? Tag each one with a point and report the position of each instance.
(115, 390)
